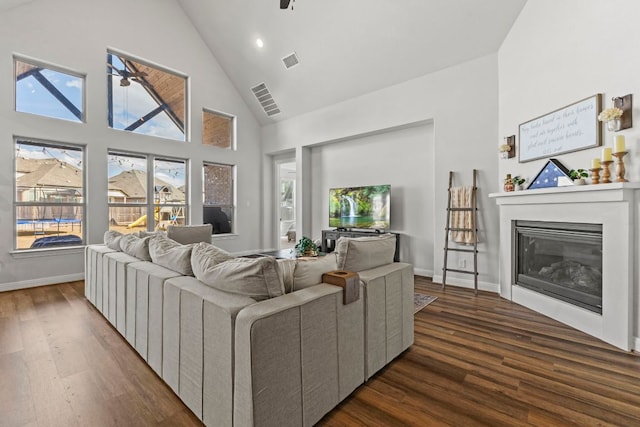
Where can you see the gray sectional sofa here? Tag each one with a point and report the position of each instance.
(260, 360)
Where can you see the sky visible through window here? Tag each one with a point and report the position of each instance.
(33, 97)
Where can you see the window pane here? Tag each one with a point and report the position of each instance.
(218, 184)
(145, 99)
(48, 92)
(47, 226)
(169, 181)
(128, 219)
(217, 129)
(127, 179)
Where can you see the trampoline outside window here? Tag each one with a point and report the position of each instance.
(49, 197)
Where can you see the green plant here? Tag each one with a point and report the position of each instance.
(305, 245)
(518, 180)
(578, 173)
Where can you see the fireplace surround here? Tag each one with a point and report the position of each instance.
(613, 208)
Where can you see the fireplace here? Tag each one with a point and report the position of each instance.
(562, 260)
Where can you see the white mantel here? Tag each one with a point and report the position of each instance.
(615, 206)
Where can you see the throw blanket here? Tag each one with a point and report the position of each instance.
(461, 197)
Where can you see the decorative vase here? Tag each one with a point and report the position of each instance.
(519, 187)
(579, 181)
(508, 183)
(614, 125)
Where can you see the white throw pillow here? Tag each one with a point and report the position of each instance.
(171, 254)
(205, 255)
(364, 253)
(112, 239)
(309, 271)
(186, 234)
(135, 246)
(253, 277)
(286, 267)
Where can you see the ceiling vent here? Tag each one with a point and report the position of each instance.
(290, 60)
(265, 99)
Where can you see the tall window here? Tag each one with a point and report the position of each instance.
(47, 91)
(145, 99)
(49, 194)
(218, 129)
(139, 200)
(219, 197)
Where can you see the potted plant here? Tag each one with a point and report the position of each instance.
(518, 181)
(306, 247)
(578, 176)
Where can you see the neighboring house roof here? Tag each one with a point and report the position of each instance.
(133, 184)
(50, 173)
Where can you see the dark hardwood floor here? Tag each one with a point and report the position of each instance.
(476, 361)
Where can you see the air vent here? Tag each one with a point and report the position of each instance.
(290, 60)
(265, 99)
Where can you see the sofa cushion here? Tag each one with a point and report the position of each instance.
(135, 246)
(186, 234)
(205, 255)
(286, 267)
(309, 271)
(363, 253)
(253, 277)
(171, 254)
(112, 239)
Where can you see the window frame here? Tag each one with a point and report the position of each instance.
(234, 193)
(83, 205)
(150, 205)
(234, 119)
(58, 69)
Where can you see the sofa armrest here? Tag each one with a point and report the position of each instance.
(388, 298)
(297, 356)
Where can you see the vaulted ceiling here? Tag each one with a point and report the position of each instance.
(346, 48)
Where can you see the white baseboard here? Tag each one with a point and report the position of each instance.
(34, 283)
(422, 272)
(467, 283)
(636, 344)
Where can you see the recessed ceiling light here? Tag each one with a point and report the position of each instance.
(259, 43)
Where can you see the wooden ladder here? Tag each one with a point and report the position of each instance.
(473, 229)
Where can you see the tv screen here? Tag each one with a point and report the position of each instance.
(360, 207)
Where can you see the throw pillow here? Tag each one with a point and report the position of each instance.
(253, 277)
(309, 271)
(171, 254)
(186, 234)
(135, 246)
(286, 267)
(112, 239)
(205, 255)
(364, 253)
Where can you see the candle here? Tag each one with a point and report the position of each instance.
(606, 154)
(618, 144)
(595, 164)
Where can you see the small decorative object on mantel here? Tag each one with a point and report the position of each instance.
(605, 161)
(578, 176)
(550, 175)
(517, 182)
(619, 152)
(595, 171)
(508, 183)
(508, 149)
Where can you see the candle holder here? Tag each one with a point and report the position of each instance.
(606, 174)
(595, 175)
(620, 166)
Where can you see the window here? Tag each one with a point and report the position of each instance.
(132, 200)
(219, 197)
(47, 91)
(145, 99)
(218, 129)
(49, 194)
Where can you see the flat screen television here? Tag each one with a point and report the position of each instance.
(365, 207)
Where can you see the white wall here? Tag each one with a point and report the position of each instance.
(561, 52)
(462, 103)
(412, 211)
(75, 34)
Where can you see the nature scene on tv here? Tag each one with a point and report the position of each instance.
(360, 207)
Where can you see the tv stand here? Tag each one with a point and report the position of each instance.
(329, 238)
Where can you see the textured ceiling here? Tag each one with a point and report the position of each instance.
(346, 48)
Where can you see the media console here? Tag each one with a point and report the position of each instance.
(329, 238)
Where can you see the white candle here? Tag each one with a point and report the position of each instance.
(618, 144)
(606, 154)
(595, 164)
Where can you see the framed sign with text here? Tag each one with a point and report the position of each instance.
(571, 128)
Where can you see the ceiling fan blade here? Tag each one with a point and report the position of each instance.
(284, 4)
